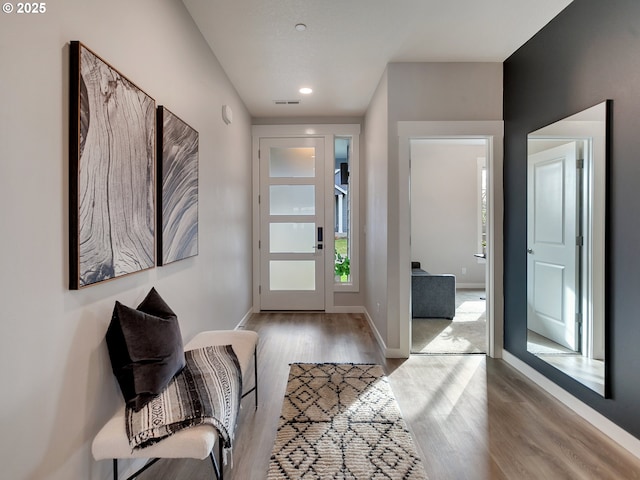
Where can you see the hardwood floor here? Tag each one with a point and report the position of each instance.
(472, 417)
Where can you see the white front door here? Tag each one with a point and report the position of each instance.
(292, 224)
(552, 229)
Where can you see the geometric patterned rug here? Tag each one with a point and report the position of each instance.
(341, 421)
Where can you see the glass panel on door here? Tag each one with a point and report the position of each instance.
(292, 237)
(292, 199)
(292, 275)
(292, 162)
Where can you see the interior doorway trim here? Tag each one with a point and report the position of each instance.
(493, 132)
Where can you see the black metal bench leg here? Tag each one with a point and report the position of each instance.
(254, 389)
(217, 465)
(255, 373)
(138, 472)
(220, 459)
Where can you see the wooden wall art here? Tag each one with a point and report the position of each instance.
(177, 188)
(111, 172)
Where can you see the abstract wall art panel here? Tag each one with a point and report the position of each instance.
(111, 172)
(177, 188)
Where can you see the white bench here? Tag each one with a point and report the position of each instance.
(111, 442)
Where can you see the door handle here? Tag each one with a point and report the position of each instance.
(529, 251)
(320, 236)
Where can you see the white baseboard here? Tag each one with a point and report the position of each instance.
(602, 423)
(388, 352)
(474, 286)
(244, 319)
(394, 353)
(346, 309)
(375, 331)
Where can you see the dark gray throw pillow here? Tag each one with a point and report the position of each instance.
(145, 347)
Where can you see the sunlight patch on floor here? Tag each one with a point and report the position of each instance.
(470, 311)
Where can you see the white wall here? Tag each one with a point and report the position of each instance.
(444, 210)
(375, 184)
(58, 388)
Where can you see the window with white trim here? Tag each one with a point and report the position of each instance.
(345, 213)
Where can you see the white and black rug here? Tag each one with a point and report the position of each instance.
(341, 421)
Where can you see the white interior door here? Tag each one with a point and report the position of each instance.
(552, 227)
(291, 224)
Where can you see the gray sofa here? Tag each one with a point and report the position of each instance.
(432, 296)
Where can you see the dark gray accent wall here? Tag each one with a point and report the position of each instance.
(590, 52)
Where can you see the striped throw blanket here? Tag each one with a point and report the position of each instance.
(206, 392)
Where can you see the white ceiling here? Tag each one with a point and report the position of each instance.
(348, 43)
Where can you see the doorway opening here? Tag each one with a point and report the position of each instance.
(449, 192)
(492, 131)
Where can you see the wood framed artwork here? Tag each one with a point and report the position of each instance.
(177, 188)
(111, 172)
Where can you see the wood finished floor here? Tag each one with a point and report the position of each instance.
(471, 417)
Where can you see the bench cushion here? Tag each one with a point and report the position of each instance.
(195, 442)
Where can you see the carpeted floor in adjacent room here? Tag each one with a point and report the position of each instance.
(466, 333)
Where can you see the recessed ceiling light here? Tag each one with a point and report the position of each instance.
(301, 27)
(305, 90)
